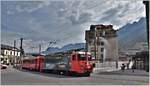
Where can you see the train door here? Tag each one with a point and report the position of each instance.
(41, 64)
(84, 64)
(36, 64)
(82, 59)
(74, 62)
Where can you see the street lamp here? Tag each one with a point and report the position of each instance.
(22, 52)
(95, 41)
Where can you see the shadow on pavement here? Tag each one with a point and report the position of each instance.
(50, 74)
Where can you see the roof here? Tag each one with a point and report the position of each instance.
(81, 52)
(7, 47)
(101, 26)
(63, 51)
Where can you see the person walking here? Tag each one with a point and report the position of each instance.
(128, 65)
(133, 67)
(123, 67)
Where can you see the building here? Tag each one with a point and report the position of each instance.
(9, 54)
(146, 2)
(141, 46)
(101, 41)
(141, 60)
(129, 53)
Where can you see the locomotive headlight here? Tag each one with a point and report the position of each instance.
(88, 66)
(70, 63)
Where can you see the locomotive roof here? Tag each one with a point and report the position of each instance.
(80, 52)
(30, 57)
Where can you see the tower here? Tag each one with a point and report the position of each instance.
(101, 41)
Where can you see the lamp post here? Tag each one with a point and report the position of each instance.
(147, 19)
(39, 48)
(14, 60)
(22, 52)
(95, 43)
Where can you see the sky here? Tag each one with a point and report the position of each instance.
(62, 21)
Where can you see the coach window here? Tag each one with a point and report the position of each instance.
(73, 57)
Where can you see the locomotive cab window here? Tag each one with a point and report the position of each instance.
(73, 57)
(81, 57)
(89, 58)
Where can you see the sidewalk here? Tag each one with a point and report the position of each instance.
(128, 72)
(104, 69)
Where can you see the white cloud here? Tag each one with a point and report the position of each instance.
(66, 21)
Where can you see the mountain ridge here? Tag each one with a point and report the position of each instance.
(133, 33)
(128, 35)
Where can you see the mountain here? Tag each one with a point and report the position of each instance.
(73, 46)
(131, 34)
(53, 49)
(128, 36)
(64, 48)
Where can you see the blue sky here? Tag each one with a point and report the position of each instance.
(63, 21)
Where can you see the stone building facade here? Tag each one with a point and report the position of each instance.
(101, 41)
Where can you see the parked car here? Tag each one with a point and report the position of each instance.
(3, 66)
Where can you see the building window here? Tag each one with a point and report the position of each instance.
(102, 56)
(103, 33)
(6, 52)
(100, 34)
(11, 53)
(102, 49)
(102, 43)
(17, 53)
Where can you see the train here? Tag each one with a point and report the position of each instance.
(63, 63)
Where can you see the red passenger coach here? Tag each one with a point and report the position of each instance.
(33, 63)
(39, 63)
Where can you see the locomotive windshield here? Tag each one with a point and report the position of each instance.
(83, 57)
(89, 58)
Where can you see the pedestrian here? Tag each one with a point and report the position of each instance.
(133, 67)
(123, 67)
(127, 65)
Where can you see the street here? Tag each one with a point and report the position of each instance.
(11, 76)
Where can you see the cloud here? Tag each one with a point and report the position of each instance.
(23, 6)
(64, 20)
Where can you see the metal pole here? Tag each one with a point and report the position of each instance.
(14, 53)
(147, 19)
(22, 52)
(39, 48)
(95, 42)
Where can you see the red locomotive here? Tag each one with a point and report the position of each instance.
(74, 63)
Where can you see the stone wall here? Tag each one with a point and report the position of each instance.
(108, 66)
